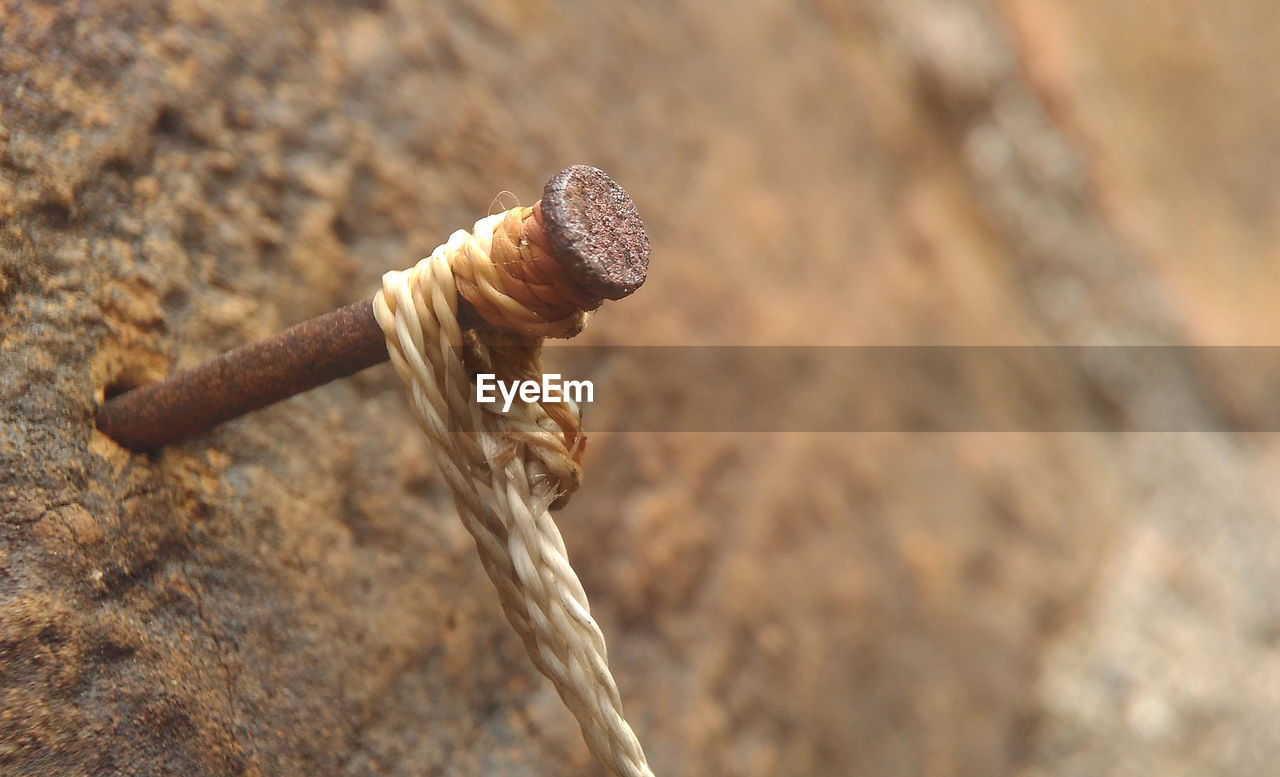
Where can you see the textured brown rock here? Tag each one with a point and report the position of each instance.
(292, 594)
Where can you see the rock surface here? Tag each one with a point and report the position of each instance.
(292, 594)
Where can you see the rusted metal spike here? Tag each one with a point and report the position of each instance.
(595, 235)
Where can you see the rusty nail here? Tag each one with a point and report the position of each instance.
(594, 233)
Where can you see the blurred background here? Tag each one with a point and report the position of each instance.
(292, 593)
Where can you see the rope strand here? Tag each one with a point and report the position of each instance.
(507, 469)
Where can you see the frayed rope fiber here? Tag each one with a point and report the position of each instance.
(507, 469)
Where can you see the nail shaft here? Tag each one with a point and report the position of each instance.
(242, 380)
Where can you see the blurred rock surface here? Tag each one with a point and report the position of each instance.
(292, 593)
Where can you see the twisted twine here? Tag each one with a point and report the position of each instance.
(507, 469)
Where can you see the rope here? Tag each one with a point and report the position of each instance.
(506, 470)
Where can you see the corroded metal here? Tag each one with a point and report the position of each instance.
(244, 379)
(594, 233)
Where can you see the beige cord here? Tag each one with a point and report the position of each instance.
(507, 469)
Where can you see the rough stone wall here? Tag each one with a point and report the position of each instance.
(291, 594)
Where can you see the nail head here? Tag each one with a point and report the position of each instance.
(594, 231)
